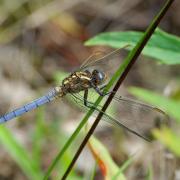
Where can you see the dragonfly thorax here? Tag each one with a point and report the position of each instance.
(82, 80)
(76, 82)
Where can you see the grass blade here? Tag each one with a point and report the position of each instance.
(30, 168)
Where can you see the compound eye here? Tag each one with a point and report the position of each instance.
(101, 76)
(98, 77)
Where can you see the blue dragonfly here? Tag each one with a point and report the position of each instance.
(133, 115)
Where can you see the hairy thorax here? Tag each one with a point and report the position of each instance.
(76, 82)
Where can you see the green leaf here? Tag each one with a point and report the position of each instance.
(170, 106)
(150, 173)
(163, 47)
(168, 138)
(38, 136)
(27, 164)
(125, 165)
(108, 167)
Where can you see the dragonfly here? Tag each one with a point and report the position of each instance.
(91, 75)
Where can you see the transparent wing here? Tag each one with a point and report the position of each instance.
(139, 117)
(136, 117)
(100, 59)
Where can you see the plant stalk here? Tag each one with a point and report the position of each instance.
(132, 56)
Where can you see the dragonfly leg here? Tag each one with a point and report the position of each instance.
(99, 90)
(86, 102)
(85, 97)
(102, 87)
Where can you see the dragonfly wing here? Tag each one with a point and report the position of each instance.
(138, 116)
(100, 60)
(127, 124)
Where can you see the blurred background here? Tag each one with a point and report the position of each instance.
(40, 43)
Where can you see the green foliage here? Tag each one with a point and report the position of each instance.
(150, 173)
(31, 162)
(108, 167)
(170, 106)
(169, 138)
(123, 167)
(163, 47)
(20, 154)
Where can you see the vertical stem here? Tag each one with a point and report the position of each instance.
(132, 57)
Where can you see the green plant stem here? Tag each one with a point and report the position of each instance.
(131, 58)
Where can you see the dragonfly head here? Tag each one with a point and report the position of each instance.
(98, 77)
